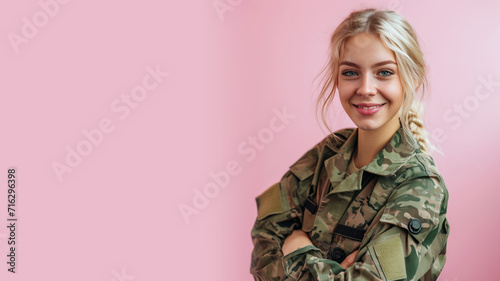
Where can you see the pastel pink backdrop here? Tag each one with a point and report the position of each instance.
(117, 213)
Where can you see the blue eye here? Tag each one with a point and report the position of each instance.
(349, 73)
(386, 73)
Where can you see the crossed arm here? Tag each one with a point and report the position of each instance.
(282, 250)
(299, 239)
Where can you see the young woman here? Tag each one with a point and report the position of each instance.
(365, 203)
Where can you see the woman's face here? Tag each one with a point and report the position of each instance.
(369, 85)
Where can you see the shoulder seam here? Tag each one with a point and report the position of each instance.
(429, 171)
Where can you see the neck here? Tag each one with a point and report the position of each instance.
(370, 143)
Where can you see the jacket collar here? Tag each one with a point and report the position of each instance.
(392, 157)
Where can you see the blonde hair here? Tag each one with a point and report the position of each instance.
(398, 36)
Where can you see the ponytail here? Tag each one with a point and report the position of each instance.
(416, 127)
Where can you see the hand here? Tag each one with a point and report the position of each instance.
(296, 240)
(349, 260)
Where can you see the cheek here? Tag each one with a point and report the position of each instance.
(345, 91)
(394, 94)
(344, 97)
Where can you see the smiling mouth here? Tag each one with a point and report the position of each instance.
(369, 107)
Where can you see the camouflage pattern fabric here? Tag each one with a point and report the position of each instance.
(403, 216)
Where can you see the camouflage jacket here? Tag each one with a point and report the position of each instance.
(399, 226)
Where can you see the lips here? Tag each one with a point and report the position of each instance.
(368, 105)
(368, 109)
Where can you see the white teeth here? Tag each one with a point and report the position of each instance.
(369, 107)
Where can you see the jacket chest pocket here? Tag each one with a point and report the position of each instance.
(345, 241)
(350, 230)
(352, 226)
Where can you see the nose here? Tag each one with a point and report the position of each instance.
(367, 87)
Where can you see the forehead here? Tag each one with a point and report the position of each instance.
(365, 47)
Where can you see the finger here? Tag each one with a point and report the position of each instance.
(349, 260)
(354, 254)
(352, 257)
(345, 264)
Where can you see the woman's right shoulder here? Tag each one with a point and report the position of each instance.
(305, 166)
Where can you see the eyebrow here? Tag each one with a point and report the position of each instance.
(375, 65)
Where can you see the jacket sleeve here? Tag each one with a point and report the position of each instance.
(407, 240)
(279, 213)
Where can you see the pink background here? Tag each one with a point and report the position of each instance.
(116, 215)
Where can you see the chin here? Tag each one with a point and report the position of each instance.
(367, 126)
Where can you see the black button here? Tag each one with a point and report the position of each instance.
(338, 254)
(415, 226)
